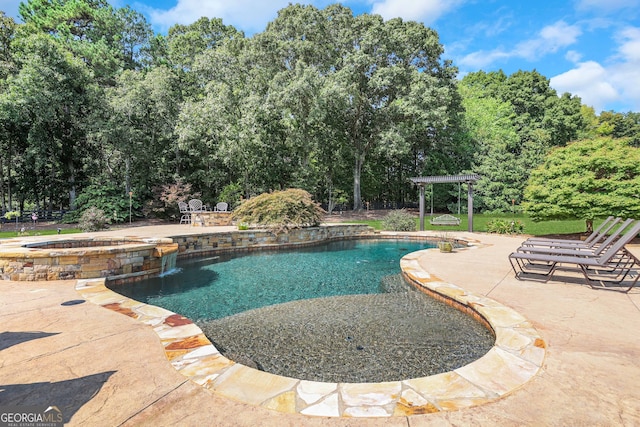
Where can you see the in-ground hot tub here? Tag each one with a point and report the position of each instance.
(86, 258)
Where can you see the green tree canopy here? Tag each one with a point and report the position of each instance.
(385, 86)
(49, 100)
(513, 122)
(88, 28)
(587, 179)
(345, 106)
(489, 123)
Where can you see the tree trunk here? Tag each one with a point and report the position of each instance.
(50, 193)
(331, 203)
(357, 172)
(72, 185)
(3, 206)
(9, 195)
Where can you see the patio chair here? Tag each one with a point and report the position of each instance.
(185, 214)
(221, 207)
(197, 209)
(196, 206)
(613, 264)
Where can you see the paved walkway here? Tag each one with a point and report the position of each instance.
(105, 368)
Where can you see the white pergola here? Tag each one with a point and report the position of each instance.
(442, 179)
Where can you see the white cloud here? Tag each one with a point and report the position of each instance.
(560, 34)
(616, 81)
(247, 15)
(625, 74)
(549, 40)
(573, 56)
(426, 11)
(629, 39)
(482, 59)
(589, 81)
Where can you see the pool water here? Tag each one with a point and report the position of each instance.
(336, 312)
(216, 287)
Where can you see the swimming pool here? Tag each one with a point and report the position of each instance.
(231, 283)
(335, 312)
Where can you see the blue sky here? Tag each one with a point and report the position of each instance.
(590, 48)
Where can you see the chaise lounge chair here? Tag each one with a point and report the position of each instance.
(612, 265)
(596, 236)
(594, 248)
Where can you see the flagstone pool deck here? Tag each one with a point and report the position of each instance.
(57, 348)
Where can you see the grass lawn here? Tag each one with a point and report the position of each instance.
(480, 224)
(9, 232)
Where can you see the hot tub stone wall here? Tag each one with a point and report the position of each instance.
(82, 259)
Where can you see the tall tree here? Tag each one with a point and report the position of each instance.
(293, 52)
(7, 33)
(371, 74)
(49, 99)
(489, 123)
(543, 119)
(88, 28)
(186, 42)
(143, 109)
(220, 131)
(524, 103)
(9, 134)
(587, 179)
(620, 125)
(135, 36)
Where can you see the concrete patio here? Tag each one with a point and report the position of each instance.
(105, 368)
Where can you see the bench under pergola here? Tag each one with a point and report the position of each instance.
(471, 179)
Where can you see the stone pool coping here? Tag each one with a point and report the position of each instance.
(516, 357)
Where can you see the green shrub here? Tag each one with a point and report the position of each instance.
(231, 194)
(399, 220)
(93, 219)
(10, 216)
(106, 197)
(505, 226)
(280, 210)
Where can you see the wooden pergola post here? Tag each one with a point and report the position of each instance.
(470, 206)
(422, 208)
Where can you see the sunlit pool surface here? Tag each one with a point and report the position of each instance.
(336, 312)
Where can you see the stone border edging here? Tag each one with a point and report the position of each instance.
(516, 357)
